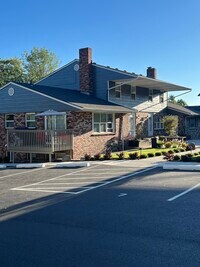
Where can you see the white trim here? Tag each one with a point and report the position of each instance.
(113, 122)
(50, 97)
(29, 113)
(66, 65)
(6, 85)
(9, 121)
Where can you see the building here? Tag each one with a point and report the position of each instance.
(80, 108)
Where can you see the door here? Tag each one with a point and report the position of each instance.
(55, 122)
(150, 124)
(132, 125)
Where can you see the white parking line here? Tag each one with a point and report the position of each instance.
(184, 192)
(54, 178)
(14, 174)
(81, 189)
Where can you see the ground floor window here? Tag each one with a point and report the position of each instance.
(9, 121)
(158, 123)
(30, 120)
(193, 122)
(103, 122)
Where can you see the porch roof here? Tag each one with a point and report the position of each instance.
(142, 81)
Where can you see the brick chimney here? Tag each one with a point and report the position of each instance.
(151, 72)
(85, 70)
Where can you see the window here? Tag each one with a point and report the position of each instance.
(103, 122)
(161, 97)
(158, 123)
(55, 122)
(118, 92)
(150, 94)
(9, 121)
(133, 93)
(30, 120)
(193, 122)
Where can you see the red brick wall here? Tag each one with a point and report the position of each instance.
(85, 141)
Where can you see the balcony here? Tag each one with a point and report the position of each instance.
(39, 141)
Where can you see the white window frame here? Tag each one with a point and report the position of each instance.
(6, 121)
(159, 125)
(27, 121)
(118, 92)
(133, 92)
(108, 129)
(151, 95)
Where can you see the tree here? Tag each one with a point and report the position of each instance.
(180, 102)
(39, 63)
(170, 124)
(11, 70)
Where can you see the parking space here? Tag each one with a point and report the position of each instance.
(75, 181)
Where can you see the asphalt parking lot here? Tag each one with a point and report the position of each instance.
(110, 214)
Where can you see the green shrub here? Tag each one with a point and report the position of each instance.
(97, 156)
(182, 150)
(107, 155)
(196, 154)
(87, 156)
(171, 151)
(158, 153)
(143, 156)
(160, 144)
(190, 146)
(186, 158)
(151, 155)
(177, 157)
(168, 144)
(176, 150)
(120, 155)
(133, 155)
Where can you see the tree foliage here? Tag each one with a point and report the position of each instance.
(33, 66)
(170, 125)
(39, 63)
(180, 102)
(11, 70)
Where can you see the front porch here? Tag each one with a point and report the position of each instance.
(39, 141)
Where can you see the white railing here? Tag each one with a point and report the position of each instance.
(39, 141)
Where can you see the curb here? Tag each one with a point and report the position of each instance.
(30, 165)
(71, 164)
(179, 166)
(3, 166)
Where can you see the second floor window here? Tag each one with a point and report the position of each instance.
(161, 97)
(118, 92)
(30, 120)
(150, 94)
(9, 121)
(133, 93)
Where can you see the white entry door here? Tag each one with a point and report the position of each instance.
(150, 124)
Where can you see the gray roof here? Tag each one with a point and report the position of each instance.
(194, 109)
(185, 110)
(82, 101)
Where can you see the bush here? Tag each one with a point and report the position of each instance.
(87, 157)
(190, 146)
(183, 145)
(168, 144)
(151, 155)
(186, 158)
(158, 153)
(177, 157)
(160, 144)
(120, 155)
(107, 155)
(143, 156)
(176, 150)
(97, 156)
(196, 154)
(171, 151)
(133, 155)
(168, 156)
(182, 150)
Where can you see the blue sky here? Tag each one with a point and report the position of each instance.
(130, 35)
